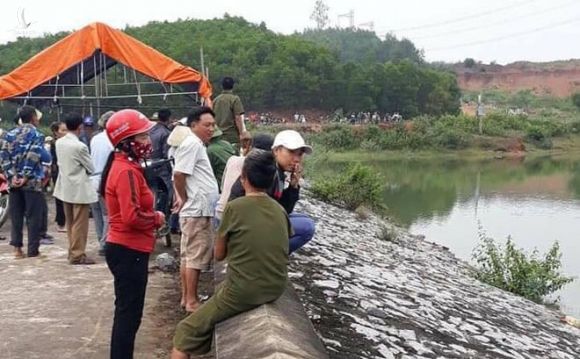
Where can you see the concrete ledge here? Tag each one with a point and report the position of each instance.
(276, 330)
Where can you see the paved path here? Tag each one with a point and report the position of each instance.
(50, 309)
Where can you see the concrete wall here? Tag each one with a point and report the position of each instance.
(276, 330)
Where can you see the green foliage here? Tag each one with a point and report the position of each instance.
(539, 137)
(452, 139)
(444, 132)
(338, 137)
(362, 46)
(469, 63)
(510, 268)
(358, 186)
(576, 99)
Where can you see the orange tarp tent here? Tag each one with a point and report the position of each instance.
(62, 57)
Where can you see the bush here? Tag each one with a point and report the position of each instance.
(356, 187)
(511, 269)
(576, 99)
(469, 63)
(339, 138)
(451, 139)
(370, 146)
(537, 136)
(574, 127)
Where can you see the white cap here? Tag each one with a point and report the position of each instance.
(291, 140)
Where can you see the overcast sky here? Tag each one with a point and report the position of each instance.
(448, 30)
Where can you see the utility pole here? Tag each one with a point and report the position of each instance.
(202, 62)
(480, 112)
(350, 16)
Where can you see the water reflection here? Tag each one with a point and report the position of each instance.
(536, 201)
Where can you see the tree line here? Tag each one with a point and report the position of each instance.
(322, 69)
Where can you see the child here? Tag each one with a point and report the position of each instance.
(254, 236)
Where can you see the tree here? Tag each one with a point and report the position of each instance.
(320, 14)
(469, 62)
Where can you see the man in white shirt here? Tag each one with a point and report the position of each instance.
(101, 148)
(196, 191)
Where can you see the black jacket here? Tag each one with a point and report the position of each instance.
(286, 197)
(159, 134)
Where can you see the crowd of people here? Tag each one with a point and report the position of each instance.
(230, 194)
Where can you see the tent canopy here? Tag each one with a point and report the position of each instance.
(87, 53)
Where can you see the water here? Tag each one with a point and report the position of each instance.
(452, 202)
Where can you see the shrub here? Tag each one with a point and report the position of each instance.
(388, 234)
(575, 127)
(511, 269)
(370, 145)
(576, 99)
(358, 186)
(469, 63)
(537, 136)
(339, 138)
(451, 139)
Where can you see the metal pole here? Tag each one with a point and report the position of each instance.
(202, 60)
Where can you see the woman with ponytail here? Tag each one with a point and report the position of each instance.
(132, 222)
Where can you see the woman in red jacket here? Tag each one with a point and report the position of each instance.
(132, 221)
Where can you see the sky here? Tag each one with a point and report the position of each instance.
(503, 31)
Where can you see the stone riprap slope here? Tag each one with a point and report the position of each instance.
(370, 298)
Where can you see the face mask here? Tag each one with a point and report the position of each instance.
(142, 150)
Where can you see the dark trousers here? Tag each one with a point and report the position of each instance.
(29, 204)
(60, 218)
(44, 219)
(129, 268)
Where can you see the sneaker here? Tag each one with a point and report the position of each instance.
(61, 229)
(48, 236)
(46, 241)
(36, 255)
(18, 254)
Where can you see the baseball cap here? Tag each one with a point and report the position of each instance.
(291, 140)
(88, 121)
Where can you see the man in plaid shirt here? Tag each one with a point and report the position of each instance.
(21, 150)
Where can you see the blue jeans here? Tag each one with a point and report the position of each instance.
(303, 227)
(101, 218)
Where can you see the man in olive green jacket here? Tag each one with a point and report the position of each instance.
(229, 113)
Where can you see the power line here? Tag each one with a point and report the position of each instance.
(463, 18)
(500, 22)
(500, 38)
